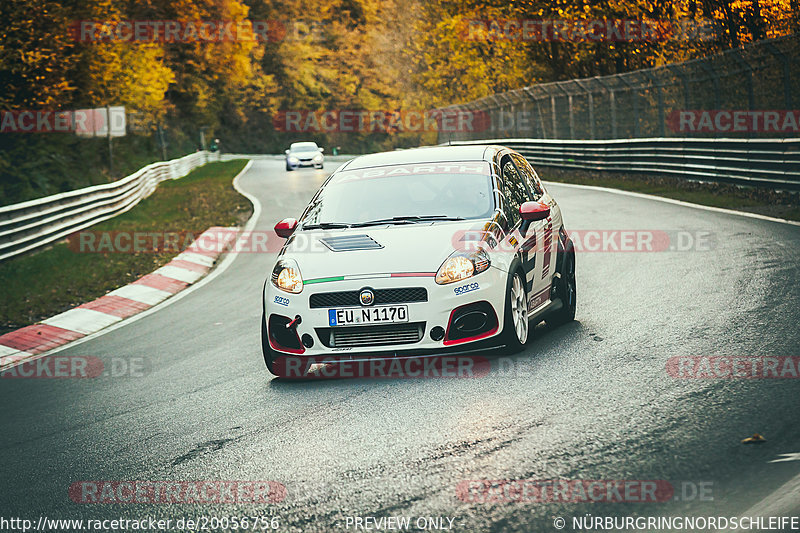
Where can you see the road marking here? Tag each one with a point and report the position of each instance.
(8, 351)
(676, 202)
(196, 258)
(84, 321)
(13, 357)
(787, 457)
(141, 293)
(782, 502)
(181, 274)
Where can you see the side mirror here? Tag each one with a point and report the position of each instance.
(534, 211)
(321, 149)
(287, 152)
(286, 227)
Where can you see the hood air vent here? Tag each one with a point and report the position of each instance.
(349, 243)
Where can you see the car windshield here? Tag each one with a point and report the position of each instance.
(304, 147)
(410, 193)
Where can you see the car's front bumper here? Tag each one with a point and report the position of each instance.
(309, 163)
(487, 290)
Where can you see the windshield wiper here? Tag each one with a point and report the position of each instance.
(327, 225)
(412, 219)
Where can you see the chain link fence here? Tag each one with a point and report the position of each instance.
(748, 92)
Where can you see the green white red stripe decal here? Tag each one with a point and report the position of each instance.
(371, 276)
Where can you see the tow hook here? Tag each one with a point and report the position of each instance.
(294, 323)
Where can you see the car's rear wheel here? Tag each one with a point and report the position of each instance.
(516, 328)
(565, 288)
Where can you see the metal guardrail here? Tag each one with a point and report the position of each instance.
(773, 163)
(30, 225)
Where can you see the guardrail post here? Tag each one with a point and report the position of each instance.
(612, 105)
(787, 80)
(590, 103)
(751, 97)
(635, 97)
(542, 123)
(571, 119)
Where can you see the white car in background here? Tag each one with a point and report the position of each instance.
(304, 154)
(416, 253)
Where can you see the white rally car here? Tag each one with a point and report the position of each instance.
(416, 253)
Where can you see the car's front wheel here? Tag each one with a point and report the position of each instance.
(565, 288)
(516, 327)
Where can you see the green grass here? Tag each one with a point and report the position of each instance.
(53, 280)
(751, 199)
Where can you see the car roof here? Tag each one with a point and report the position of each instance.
(431, 154)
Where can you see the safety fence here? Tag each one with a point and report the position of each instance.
(748, 92)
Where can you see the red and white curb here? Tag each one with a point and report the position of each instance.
(145, 292)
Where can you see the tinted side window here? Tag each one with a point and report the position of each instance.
(530, 176)
(513, 190)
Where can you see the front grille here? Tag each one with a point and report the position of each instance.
(362, 336)
(349, 243)
(382, 297)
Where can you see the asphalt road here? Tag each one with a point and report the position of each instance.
(588, 401)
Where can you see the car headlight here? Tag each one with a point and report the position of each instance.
(462, 265)
(293, 159)
(286, 276)
(318, 157)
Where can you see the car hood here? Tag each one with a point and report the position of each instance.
(420, 247)
(303, 155)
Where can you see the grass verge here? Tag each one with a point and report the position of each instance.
(53, 280)
(780, 204)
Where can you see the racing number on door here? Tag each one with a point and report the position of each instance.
(528, 256)
(548, 243)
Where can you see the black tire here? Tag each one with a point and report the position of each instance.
(565, 288)
(288, 168)
(516, 315)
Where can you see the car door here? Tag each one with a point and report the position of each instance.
(523, 235)
(547, 232)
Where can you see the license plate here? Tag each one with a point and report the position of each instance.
(373, 315)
